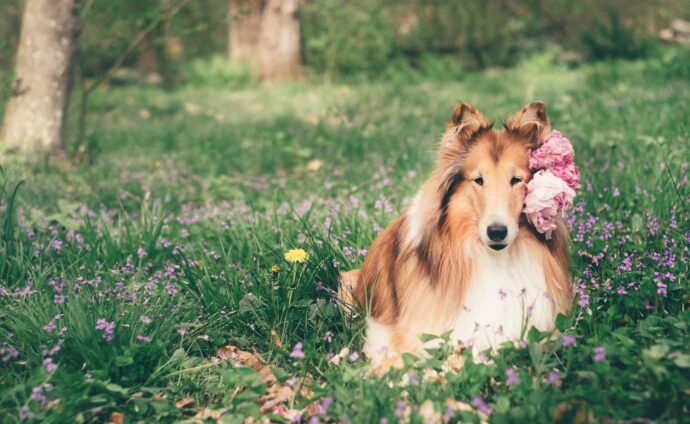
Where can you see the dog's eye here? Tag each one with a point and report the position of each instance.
(479, 181)
(515, 180)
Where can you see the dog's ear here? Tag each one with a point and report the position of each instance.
(531, 122)
(467, 121)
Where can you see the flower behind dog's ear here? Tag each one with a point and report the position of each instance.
(531, 122)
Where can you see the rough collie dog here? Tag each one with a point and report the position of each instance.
(462, 257)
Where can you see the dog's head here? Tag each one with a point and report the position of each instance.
(484, 171)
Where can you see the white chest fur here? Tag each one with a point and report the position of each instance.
(506, 296)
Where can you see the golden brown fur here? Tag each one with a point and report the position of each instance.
(418, 271)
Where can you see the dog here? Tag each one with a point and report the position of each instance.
(462, 258)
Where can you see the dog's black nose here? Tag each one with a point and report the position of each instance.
(497, 232)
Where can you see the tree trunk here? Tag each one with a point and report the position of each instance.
(244, 19)
(148, 58)
(279, 41)
(37, 108)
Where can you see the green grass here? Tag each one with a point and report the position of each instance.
(189, 198)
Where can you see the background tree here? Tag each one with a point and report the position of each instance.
(36, 110)
(266, 33)
(279, 41)
(244, 19)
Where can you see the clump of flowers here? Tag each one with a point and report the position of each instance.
(296, 255)
(556, 178)
(599, 354)
(108, 328)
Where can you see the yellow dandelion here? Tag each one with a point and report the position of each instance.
(296, 255)
(275, 269)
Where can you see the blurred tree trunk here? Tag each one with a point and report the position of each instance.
(37, 108)
(279, 41)
(148, 61)
(244, 19)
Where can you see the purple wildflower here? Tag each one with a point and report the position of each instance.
(569, 341)
(326, 402)
(38, 395)
(401, 409)
(297, 351)
(412, 379)
(24, 413)
(512, 377)
(479, 403)
(599, 354)
(108, 328)
(502, 294)
(8, 352)
(56, 245)
(50, 366)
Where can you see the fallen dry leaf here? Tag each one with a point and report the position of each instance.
(136, 395)
(291, 415)
(191, 108)
(281, 394)
(185, 401)
(429, 413)
(456, 405)
(275, 339)
(314, 165)
(209, 413)
(116, 418)
(334, 120)
(456, 360)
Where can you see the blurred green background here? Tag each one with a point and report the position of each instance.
(361, 38)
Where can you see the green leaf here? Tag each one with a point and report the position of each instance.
(428, 337)
(655, 352)
(563, 322)
(682, 361)
(123, 360)
(161, 406)
(535, 335)
(280, 374)
(637, 223)
(250, 303)
(502, 404)
(304, 303)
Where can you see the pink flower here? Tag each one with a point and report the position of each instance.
(297, 351)
(550, 192)
(512, 377)
(554, 151)
(107, 327)
(548, 197)
(49, 364)
(569, 341)
(556, 155)
(479, 403)
(568, 173)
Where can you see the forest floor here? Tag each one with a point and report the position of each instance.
(148, 281)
